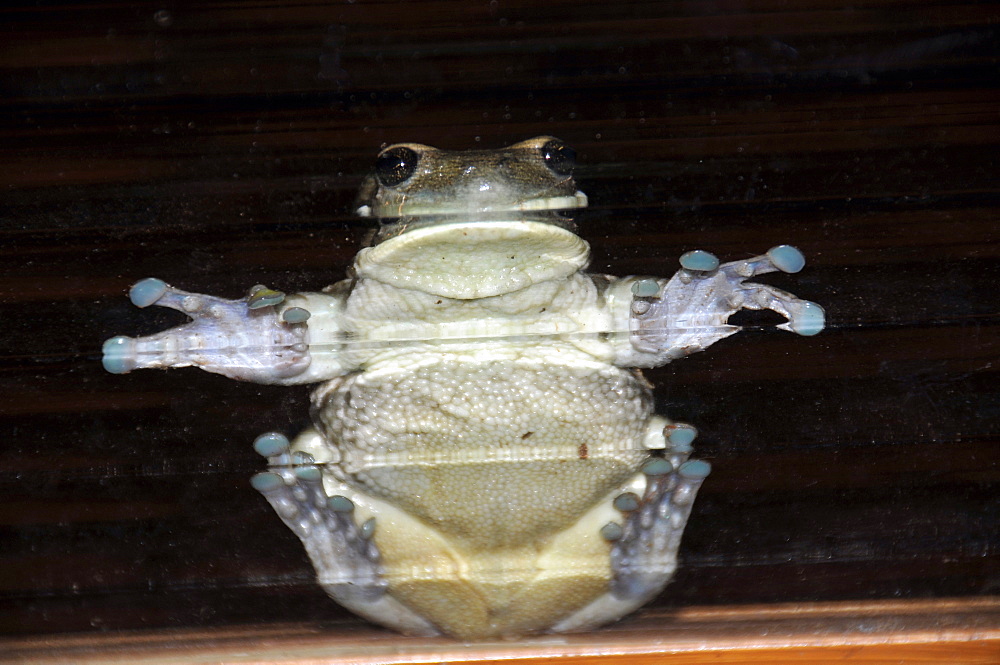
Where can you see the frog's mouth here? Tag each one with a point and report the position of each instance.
(415, 208)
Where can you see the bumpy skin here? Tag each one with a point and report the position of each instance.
(484, 459)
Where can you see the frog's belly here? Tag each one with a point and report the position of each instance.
(489, 452)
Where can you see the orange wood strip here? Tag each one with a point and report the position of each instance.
(953, 631)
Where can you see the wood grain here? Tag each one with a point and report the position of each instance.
(217, 145)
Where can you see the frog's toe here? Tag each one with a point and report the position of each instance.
(804, 317)
(699, 260)
(679, 437)
(786, 258)
(644, 557)
(119, 355)
(272, 445)
(153, 291)
(262, 296)
(342, 551)
(147, 291)
(783, 258)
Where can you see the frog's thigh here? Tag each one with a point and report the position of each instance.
(335, 524)
(643, 555)
(572, 570)
(426, 573)
(508, 591)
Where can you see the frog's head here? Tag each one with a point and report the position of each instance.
(532, 179)
(472, 224)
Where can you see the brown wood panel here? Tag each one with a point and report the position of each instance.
(956, 632)
(218, 145)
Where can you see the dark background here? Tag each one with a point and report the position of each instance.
(219, 145)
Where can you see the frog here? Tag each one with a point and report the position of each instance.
(484, 459)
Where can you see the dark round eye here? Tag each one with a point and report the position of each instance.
(396, 165)
(559, 157)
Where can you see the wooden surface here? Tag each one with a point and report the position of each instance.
(219, 145)
(956, 632)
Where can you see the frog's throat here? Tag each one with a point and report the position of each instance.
(467, 261)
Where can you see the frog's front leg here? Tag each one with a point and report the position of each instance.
(262, 337)
(668, 319)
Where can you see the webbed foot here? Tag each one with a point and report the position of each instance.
(691, 310)
(244, 339)
(644, 547)
(644, 556)
(343, 552)
(339, 547)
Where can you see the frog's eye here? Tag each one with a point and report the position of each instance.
(559, 157)
(396, 165)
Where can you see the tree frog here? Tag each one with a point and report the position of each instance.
(484, 459)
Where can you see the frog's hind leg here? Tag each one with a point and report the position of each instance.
(644, 549)
(346, 559)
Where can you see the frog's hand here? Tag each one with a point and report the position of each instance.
(644, 553)
(246, 339)
(346, 559)
(688, 313)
